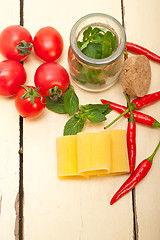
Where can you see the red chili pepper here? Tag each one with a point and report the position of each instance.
(138, 116)
(131, 138)
(134, 48)
(146, 100)
(140, 172)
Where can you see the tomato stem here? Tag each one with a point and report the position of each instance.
(24, 48)
(31, 93)
(55, 93)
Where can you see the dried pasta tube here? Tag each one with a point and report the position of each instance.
(119, 153)
(93, 152)
(67, 165)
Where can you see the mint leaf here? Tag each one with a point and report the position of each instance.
(87, 33)
(96, 116)
(79, 44)
(95, 31)
(71, 101)
(93, 50)
(97, 43)
(106, 49)
(102, 108)
(107, 111)
(73, 126)
(98, 38)
(55, 106)
(84, 45)
(114, 43)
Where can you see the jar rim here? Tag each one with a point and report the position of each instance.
(91, 61)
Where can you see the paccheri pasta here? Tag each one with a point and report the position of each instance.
(92, 154)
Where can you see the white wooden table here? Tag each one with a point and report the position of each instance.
(55, 209)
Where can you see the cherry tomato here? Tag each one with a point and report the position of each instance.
(48, 44)
(12, 37)
(12, 76)
(49, 75)
(29, 102)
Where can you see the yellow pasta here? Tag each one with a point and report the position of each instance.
(67, 165)
(119, 153)
(93, 152)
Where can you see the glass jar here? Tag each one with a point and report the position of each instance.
(96, 74)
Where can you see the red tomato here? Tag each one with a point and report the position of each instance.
(49, 75)
(48, 44)
(12, 76)
(25, 107)
(10, 38)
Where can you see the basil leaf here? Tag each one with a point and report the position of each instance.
(55, 106)
(96, 116)
(73, 126)
(71, 101)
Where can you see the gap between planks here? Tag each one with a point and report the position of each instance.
(134, 209)
(21, 191)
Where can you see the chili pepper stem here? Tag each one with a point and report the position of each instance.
(116, 119)
(130, 109)
(150, 159)
(156, 123)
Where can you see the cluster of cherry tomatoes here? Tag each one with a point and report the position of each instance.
(50, 77)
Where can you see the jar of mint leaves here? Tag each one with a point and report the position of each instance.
(95, 55)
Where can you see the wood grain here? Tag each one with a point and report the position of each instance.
(74, 209)
(141, 18)
(9, 142)
(63, 209)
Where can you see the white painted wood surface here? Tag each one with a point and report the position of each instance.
(76, 209)
(142, 18)
(68, 209)
(9, 142)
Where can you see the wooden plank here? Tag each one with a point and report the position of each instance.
(141, 21)
(9, 142)
(63, 209)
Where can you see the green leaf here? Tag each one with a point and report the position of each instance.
(79, 44)
(73, 126)
(87, 33)
(55, 106)
(97, 43)
(98, 38)
(102, 108)
(96, 116)
(71, 101)
(107, 111)
(95, 31)
(114, 43)
(106, 49)
(93, 50)
(84, 45)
